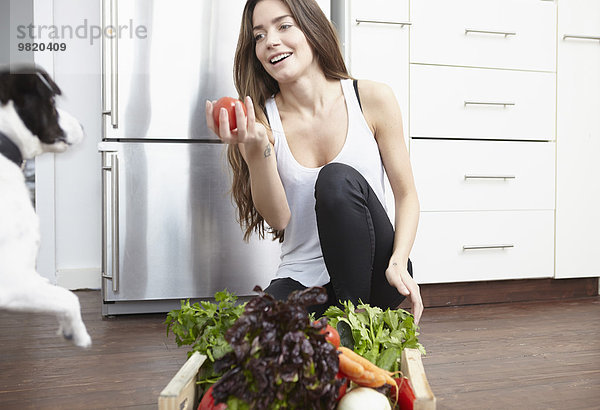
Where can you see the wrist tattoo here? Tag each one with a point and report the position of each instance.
(267, 151)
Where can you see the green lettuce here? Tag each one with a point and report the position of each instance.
(377, 335)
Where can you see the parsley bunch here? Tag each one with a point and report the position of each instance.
(203, 326)
(377, 335)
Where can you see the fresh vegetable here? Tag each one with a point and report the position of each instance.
(208, 402)
(377, 335)
(344, 386)
(279, 359)
(362, 398)
(350, 368)
(361, 371)
(403, 394)
(229, 104)
(203, 326)
(331, 335)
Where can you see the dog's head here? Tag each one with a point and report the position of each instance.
(28, 116)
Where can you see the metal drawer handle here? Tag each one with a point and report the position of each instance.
(473, 247)
(504, 104)
(502, 33)
(470, 176)
(396, 23)
(566, 36)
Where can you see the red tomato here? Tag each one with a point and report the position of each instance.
(208, 402)
(406, 396)
(229, 104)
(331, 335)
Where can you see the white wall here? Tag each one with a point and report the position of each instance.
(68, 186)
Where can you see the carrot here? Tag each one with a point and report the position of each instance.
(359, 359)
(370, 379)
(349, 367)
(363, 362)
(390, 380)
(367, 365)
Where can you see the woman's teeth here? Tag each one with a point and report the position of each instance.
(280, 57)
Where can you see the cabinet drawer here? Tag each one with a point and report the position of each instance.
(457, 102)
(472, 246)
(483, 175)
(380, 11)
(378, 23)
(516, 34)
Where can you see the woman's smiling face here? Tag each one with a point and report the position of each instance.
(280, 45)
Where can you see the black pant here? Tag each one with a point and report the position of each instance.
(356, 237)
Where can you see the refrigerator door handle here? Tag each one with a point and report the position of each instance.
(105, 170)
(113, 169)
(113, 22)
(115, 222)
(114, 75)
(105, 111)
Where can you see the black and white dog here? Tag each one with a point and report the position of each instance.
(30, 125)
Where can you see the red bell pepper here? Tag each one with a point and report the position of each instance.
(208, 402)
(404, 393)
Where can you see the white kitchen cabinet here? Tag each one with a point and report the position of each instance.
(325, 6)
(515, 34)
(474, 246)
(483, 175)
(482, 126)
(458, 102)
(578, 140)
(384, 12)
(479, 98)
(379, 46)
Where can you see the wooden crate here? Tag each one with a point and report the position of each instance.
(182, 392)
(412, 367)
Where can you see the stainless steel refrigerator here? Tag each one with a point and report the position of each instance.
(169, 226)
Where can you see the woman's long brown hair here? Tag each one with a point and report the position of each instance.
(252, 80)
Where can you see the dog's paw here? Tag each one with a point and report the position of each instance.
(79, 337)
(83, 340)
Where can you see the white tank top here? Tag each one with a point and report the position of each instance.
(301, 257)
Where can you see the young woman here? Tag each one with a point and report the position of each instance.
(309, 161)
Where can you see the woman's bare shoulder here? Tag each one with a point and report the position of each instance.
(378, 102)
(374, 92)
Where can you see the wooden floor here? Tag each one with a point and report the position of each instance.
(527, 355)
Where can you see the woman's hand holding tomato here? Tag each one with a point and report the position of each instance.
(234, 122)
(228, 104)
